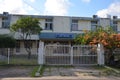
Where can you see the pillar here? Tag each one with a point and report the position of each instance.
(41, 53)
(100, 54)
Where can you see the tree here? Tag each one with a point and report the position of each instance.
(105, 36)
(27, 26)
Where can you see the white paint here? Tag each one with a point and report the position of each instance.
(104, 22)
(0, 22)
(4, 31)
(61, 24)
(100, 52)
(41, 53)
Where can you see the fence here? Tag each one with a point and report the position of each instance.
(67, 55)
(15, 57)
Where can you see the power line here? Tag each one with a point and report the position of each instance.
(31, 6)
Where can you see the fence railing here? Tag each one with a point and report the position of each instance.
(15, 57)
(67, 55)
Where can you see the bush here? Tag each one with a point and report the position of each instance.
(7, 41)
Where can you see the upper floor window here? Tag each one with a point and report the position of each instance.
(74, 25)
(5, 22)
(115, 25)
(48, 24)
(94, 25)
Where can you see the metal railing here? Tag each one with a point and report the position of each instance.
(70, 55)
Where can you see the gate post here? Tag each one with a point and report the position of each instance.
(41, 53)
(100, 54)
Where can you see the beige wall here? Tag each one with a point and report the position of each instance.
(118, 26)
(23, 51)
(104, 22)
(14, 19)
(84, 25)
(61, 24)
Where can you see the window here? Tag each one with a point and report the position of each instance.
(18, 46)
(93, 25)
(74, 25)
(48, 24)
(115, 25)
(5, 22)
(28, 44)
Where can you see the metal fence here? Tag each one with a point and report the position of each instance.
(14, 56)
(67, 55)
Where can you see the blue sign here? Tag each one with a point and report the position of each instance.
(57, 35)
(64, 35)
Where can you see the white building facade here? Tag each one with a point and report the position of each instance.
(56, 29)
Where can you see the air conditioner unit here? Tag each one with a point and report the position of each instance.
(95, 16)
(114, 17)
(5, 13)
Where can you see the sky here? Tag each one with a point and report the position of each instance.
(80, 8)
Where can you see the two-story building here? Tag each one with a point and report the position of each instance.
(56, 29)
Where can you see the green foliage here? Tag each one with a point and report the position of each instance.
(7, 41)
(96, 36)
(34, 71)
(27, 25)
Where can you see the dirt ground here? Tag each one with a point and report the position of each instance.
(53, 73)
(15, 71)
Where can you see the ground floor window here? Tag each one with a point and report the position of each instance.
(18, 46)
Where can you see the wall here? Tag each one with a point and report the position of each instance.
(118, 26)
(23, 51)
(61, 24)
(84, 25)
(14, 19)
(104, 22)
(0, 22)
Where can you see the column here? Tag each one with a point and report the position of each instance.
(100, 54)
(41, 53)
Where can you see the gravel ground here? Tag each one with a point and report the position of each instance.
(15, 71)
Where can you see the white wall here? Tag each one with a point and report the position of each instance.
(14, 19)
(84, 25)
(61, 24)
(104, 22)
(118, 26)
(0, 22)
(4, 31)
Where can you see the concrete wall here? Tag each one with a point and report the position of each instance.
(23, 51)
(0, 22)
(84, 25)
(14, 19)
(118, 26)
(61, 24)
(104, 22)
(4, 31)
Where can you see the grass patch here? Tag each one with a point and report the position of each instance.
(3, 62)
(23, 60)
(107, 71)
(42, 70)
(34, 71)
(38, 69)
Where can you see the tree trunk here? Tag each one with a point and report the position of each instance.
(29, 54)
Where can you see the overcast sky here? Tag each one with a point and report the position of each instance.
(83, 8)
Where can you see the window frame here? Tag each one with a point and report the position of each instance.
(74, 25)
(48, 24)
